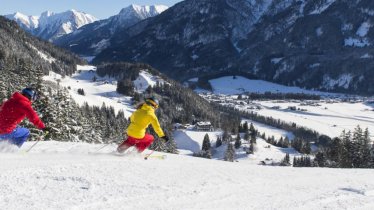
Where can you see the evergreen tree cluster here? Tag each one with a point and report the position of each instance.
(21, 52)
(301, 145)
(81, 91)
(350, 150)
(286, 160)
(124, 70)
(67, 121)
(126, 87)
(282, 142)
(304, 161)
(205, 151)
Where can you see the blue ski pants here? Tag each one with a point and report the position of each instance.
(18, 136)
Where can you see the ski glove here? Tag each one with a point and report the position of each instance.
(165, 138)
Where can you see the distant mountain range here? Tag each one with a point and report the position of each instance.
(50, 26)
(93, 38)
(324, 45)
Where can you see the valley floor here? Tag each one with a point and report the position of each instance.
(57, 175)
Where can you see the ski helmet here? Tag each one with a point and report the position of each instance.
(30, 93)
(152, 101)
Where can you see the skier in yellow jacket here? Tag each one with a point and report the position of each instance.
(139, 122)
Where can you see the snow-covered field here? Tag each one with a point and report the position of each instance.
(229, 85)
(57, 175)
(329, 116)
(329, 119)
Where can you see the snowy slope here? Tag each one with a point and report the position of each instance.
(145, 80)
(58, 175)
(104, 89)
(96, 93)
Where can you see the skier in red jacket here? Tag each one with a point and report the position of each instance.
(13, 111)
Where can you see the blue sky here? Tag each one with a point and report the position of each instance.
(98, 8)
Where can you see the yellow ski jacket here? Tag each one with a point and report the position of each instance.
(140, 121)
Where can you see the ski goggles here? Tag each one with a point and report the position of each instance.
(152, 103)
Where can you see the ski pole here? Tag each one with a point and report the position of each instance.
(101, 148)
(147, 155)
(37, 141)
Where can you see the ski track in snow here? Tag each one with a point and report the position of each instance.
(56, 175)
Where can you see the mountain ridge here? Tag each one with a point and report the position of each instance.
(49, 25)
(314, 45)
(82, 41)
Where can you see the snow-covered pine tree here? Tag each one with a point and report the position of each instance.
(280, 142)
(251, 149)
(286, 142)
(206, 143)
(306, 148)
(347, 150)
(171, 144)
(238, 142)
(245, 127)
(253, 134)
(230, 153)
(366, 150)
(286, 160)
(226, 137)
(247, 136)
(320, 159)
(295, 162)
(218, 141)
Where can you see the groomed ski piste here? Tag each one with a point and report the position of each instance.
(66, 175)
(76, 175)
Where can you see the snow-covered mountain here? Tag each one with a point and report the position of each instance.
(187, 34)
(28, 23)
(326, 45)
(49, 25)
(82, 42)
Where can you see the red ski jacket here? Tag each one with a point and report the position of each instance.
(14, 110)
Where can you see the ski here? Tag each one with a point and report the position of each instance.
(161, 157)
